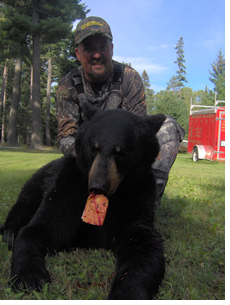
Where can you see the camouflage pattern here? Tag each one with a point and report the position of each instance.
(90, 26)
(130, 97)
(169, 137)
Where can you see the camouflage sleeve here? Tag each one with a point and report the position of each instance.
(67, 146)
(67, 116)
(133, 92)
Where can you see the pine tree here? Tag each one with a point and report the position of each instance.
(36, 141)
(168, 103)
(3, 100)
(204, 97)
(52, 21)
(218, 76)
(47, 22)
(180, 73)
(11, 136)
(14, 30)
(172, 84)
(149, 93)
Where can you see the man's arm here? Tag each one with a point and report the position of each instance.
(133, 92)
(68, 116)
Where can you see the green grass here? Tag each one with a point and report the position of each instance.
(191, 219)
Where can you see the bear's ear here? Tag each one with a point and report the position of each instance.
(155, 121)
(89, 110)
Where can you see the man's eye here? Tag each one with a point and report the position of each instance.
(88, 49)
(104, 46)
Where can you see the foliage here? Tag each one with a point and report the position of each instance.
(204, 97)
(149, 93)
(191, 219)
(172, 84)
(217, 76)
(168, 103)
(56, 17)
(15, 31)
(24, 109)
(180, 73)
(177, 81)
(57, 41)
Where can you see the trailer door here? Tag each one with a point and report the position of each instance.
(221, 135)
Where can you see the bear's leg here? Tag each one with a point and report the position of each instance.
(53, 228)
(20, 214)
(28, 259)
(28, 202)
(140, 265)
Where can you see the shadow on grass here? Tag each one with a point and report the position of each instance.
(194, 249)
(30, 151)
(193, 230)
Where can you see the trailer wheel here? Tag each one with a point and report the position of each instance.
(195, 154)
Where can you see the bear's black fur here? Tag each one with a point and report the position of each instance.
(115, 150)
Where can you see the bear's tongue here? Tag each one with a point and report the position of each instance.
(95, 209)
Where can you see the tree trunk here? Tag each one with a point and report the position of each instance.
(12, 137)
(29, 131)
(1, 94)
(179, 93)
(3, 99)
(36, 142)
(48, 137)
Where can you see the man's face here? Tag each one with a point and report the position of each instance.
(95, 55)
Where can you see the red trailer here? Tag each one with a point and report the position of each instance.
(206, 138)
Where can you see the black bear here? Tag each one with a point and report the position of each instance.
(114, 153)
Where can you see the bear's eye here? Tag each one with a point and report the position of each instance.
(118, 149)
(95, 147)
(119, 152)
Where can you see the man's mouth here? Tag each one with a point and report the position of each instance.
(97, 63)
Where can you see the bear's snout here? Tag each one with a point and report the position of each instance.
(104, 176)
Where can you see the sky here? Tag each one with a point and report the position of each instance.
(146, 32)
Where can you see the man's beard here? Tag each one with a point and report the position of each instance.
(97, 73)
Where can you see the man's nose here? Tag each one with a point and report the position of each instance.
(96, 53)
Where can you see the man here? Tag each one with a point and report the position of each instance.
(107, 84)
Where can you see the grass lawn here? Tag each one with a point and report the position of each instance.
(191, 219)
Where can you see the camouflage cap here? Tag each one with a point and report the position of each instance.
(90, 26)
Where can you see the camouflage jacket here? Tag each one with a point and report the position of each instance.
(131, 96)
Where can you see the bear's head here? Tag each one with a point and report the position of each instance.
(116, 146)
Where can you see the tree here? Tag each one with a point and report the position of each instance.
(204, 97)
(149, 93)
(47, 22)
(48, 137)
(52, 21)
(180, 73)
(127, 64)
(11, 137)
(217, 76)
(36, 142)
(168, 103)
(65, 57)
(14, 31)
(172, 84)
(186, 95)
(24, 110)
(3, 100)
